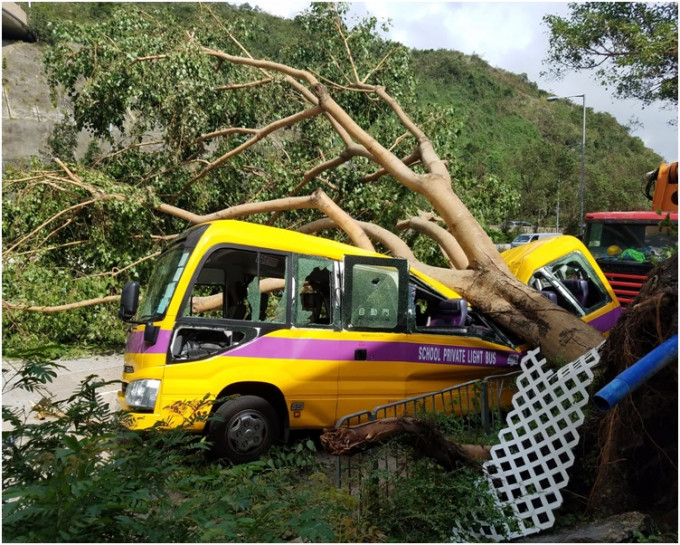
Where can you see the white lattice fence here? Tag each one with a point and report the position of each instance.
(528, 468)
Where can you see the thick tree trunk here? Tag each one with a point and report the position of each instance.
(561, 335)
(427, 440)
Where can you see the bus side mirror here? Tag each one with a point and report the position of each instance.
(129, 301)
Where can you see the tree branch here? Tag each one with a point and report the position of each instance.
(350, 152)
(446, 240)
(146, 59)
(258, 134)
(78, 206)
(68, 172)
(60, 308)
(429, 441)
(237, 86)
(318, 200)
(399, 249)
(115, 272)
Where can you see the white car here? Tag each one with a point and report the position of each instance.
(525, 238)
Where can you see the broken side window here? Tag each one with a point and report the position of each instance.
(312, 303)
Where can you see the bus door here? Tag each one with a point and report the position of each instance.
(374, 318)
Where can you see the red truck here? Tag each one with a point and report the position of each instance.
(627, 245)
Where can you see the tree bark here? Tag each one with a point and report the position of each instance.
(427, 440)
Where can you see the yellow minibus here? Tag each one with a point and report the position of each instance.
(269, 330)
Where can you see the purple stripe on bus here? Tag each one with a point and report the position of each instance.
(320, 349)
(606, 321)
(328, 350)
(136, 345)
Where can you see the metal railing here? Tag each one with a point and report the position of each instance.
(476, 405)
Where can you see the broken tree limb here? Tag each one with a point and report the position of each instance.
(448, 244)
(427, 440)
(60, 308)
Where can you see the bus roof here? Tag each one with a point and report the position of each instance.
(273, 238)
(524, 260)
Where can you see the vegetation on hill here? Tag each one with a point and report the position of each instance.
(511, 154)
(511, 131)
(504, 131)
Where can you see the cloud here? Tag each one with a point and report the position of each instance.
(513, 36)
(507, 35)
(495, 31)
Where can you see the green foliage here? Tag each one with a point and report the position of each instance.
(95, 326)
(416, 500)
(62, 258)
(631, 46)
(145, 92)
(63, 140)
(84, 477)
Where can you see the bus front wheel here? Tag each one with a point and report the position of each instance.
(242, 429)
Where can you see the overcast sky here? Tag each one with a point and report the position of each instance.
(507, 35)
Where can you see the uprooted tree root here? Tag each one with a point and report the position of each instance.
(637, 439)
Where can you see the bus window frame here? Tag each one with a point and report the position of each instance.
(402, 269)
(333, 303)
(547, 273)
(257, 250)
(243, 330)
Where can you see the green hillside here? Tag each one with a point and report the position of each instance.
(511, 130)
(506, 129)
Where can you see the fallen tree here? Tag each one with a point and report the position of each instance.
(427, 440)
(477, 271)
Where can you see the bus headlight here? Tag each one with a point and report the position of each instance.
(141, 394)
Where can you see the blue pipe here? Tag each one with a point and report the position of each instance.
(636, 374)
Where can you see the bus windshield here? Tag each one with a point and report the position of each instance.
(163, 282)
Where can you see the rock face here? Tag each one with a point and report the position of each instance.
(28, 115)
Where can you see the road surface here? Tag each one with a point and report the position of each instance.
(64, 385)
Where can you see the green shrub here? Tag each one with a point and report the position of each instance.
(416, 500)
(85, 477)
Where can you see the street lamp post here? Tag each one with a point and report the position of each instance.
(557, 211)
(583, 160)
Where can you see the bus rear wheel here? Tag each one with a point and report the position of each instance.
(243, 429)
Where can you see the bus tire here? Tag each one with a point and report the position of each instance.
(242, 429)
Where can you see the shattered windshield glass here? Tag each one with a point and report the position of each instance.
(162, 284)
